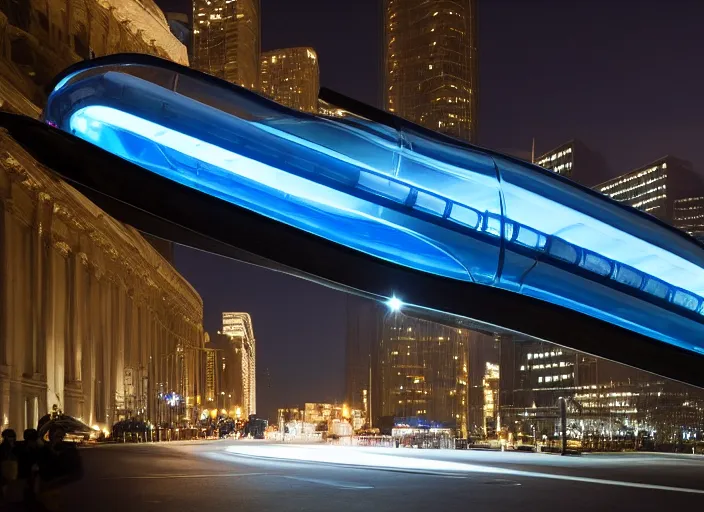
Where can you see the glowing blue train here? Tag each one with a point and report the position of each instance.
(394, 191)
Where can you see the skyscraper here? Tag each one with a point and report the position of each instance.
(226, 40)
(430, 64)
(421, 369)
(291, 77)
(237, 327)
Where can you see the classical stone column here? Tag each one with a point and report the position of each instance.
(118, 342)
(5, 316)
(102, 370)
(4, 403)
(55, 314)
(88, 351)
(76, 332)
(45, 286)
(152, 358)
(7, 321)
(108, 376)
(5, 296)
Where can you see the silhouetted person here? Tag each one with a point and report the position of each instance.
(30, 458)
(8, 462)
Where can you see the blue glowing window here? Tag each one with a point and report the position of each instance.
(509, 229)
(656, 288)
(628, 276)
(530, 238)
(384, 186)
(430, 203)
(685, 300)
(563, 251)
(493, 225)
(465, 216)
(596, 264)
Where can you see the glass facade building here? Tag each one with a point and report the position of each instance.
(576, 161)
(609, 406)
(559, 160)
(227, 40)
(421, 369)
(430, 64)
(655, 187)
(290, 76)
(688, 215)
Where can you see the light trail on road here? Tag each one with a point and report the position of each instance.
(346, 456)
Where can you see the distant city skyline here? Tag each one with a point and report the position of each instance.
(604, 91)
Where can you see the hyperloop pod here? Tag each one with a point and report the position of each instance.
(369, 202)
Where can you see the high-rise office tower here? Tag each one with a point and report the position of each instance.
(290, 76)
(430, 64)
(576, 161)
(421, 369)
(240, 355)
(688, 215)
(655, 187)
(226, 40)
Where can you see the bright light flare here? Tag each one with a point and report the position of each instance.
(395, 304)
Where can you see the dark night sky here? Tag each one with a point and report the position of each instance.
(626, 77)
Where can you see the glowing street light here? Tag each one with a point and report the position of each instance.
(394, 304)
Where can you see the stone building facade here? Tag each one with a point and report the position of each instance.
(92, 318)
(40, 38)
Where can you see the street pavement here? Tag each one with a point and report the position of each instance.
(255, 475)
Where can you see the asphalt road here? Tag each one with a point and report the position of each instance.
(250, 475)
